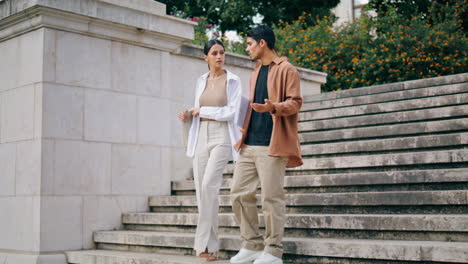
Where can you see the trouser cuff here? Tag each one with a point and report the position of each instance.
(251, 246)
(277, 252)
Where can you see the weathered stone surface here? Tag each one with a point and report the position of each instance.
(110, 117)
(399, 159)
(60, 223)
(145, 14)
(405, 143)
(348, 248)
(376, 89)
(21, 59)
(379, 160)
(74, 69)
(134, 170)
(28, 167)
(350, 179)
(82, 168)
(10, 257)
(119, 257)
(386, 97)
(153, 115)
(102, 213)
(432, 223)
(142, 67)
(345, 199)
(419, 128)
(7, 167)
(388, 118)
(395, 106)
(17, 114)
(19, 224)
(63, 113)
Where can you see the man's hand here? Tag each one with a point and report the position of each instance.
(262, 108)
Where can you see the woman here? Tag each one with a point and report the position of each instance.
(213, 133)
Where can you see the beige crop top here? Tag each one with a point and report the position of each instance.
(215, 92)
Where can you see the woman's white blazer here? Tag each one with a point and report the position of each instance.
(231, 113)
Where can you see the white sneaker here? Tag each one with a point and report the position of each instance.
(245, 255)
(267, 258)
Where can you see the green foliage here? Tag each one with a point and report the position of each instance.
(200, 31)
(428, 10)
(377, 50)
(238, 14)
(201, 37)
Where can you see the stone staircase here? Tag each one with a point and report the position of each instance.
(385, 180)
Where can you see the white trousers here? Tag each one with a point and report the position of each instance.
(212, 153)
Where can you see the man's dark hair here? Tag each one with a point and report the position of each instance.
(263, 32)
(211, 43)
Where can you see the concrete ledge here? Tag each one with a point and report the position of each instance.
(120, 257)
(142, 14)
(379, 160)
(354, 179)
(387, 97)
(438, 81)
(98, 19)
(395, 130)
(376, 145)
(401, 159)
(343, 199)
(343, 248)
(147, 6)
(400, 222)
(17, 258)
(388, 118)
(395, 106)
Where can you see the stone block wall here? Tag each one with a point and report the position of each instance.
(89, 92)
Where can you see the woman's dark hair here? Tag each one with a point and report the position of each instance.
(211, 43)
(263, 32)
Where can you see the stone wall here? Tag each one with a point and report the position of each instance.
(89, 91)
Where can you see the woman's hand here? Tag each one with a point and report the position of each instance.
(184, 116)
(195, 112)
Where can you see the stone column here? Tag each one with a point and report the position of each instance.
(86, 119)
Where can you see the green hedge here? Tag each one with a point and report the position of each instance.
(378, 50)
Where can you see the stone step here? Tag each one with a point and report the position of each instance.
(398, 198)
(379, 160)
(396, 130)
(382, 222)
(122, 257)
(401, 250)
(418, 143)
(427, 92)
(392, 87)
(386, 119)
(387, 107)
(438, 176)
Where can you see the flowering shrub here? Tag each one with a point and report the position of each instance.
(378, 50)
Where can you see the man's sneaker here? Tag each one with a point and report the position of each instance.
(267, 258)
(245, 255)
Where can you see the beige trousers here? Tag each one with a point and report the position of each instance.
(255, 167)
(212, 153)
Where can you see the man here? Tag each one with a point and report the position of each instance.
(269, 144)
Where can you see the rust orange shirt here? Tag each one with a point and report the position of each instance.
(285, 93)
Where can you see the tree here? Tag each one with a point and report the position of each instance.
(432, 11)
(238, 14)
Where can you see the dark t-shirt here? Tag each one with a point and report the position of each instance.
(261, 124)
